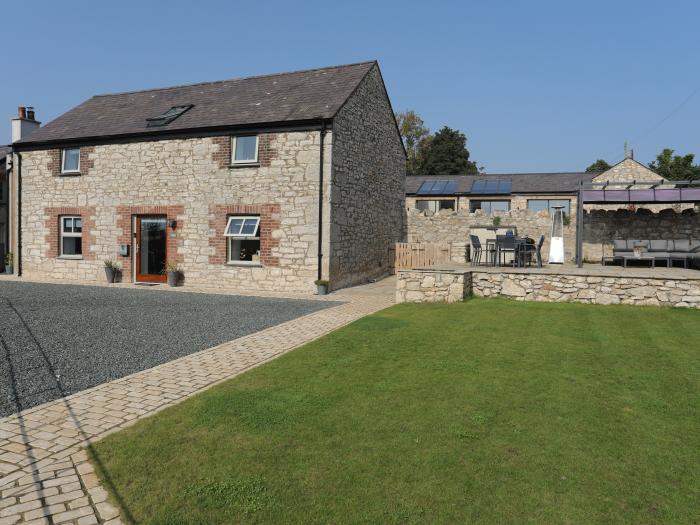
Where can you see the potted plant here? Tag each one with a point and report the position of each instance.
(321, 286)
(174, 272)
(111, 270)
(9, 258)
(496, 221)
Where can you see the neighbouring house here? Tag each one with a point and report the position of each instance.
(4, 212)
(265, 182)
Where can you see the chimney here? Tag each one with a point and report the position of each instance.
(24, 124)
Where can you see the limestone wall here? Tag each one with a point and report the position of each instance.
(588, 289)
(427, 286)
(417, 286)
(448, 227)
(186, 176)
(368, 185)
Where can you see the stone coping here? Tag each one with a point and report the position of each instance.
(676, 274)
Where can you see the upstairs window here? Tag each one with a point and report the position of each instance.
(168, 116)
(435, 205)
(71, 236)
(489, 206)
(548, 205)
(243, 234)
(70, 160)
(244, 149)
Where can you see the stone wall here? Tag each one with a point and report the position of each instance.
(588, 289)
(600, 227)
(445, 286)
(628, 170)
(428, 286)
(186, 175)
(368, 185)
(448, 227)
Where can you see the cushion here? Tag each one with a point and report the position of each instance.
(620, 245)
(658, 245)
(681, 245)
(632, 243)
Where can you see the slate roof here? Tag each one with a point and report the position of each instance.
(567, 182)
(4, 151)
(280, 98)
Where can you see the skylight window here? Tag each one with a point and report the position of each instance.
(167, 117)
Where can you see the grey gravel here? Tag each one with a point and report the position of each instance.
(56, 340)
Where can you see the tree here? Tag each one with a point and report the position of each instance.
(675, 167)
(446, 154)
(413, 134)
(598, 166)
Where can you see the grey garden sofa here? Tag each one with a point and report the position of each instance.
(671, 251)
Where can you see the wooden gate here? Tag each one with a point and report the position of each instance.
(406, 255)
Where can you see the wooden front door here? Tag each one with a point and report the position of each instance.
(151, 248)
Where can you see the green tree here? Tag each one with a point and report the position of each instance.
(675, 167)
(414, 134)
(446, 154)
(598, 166)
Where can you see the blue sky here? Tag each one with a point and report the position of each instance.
(535, 86)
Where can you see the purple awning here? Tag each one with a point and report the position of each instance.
(641, 196)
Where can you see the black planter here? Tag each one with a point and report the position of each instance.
(322, 289)
(173, 278)
(111, 274)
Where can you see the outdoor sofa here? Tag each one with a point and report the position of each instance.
(672, 252)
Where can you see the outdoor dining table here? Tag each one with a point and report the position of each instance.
(494, 247)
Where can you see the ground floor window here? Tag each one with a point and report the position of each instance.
(243, 233)
(435, 205)
(71, 228)
(548, 205)
(489, 206)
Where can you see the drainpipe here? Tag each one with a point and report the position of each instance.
(320, 201)
(19, 214)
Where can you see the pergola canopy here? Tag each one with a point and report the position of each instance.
(663, 192)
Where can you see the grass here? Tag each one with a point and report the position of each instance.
(488, 411)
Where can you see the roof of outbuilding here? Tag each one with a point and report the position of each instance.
(4, 151)
(565, 182)
(279, 98)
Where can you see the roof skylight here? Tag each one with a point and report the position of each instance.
(168, 116)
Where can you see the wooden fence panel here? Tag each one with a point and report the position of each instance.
(406, 255)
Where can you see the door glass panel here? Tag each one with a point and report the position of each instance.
(152, 247)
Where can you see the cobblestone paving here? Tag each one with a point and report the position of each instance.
(45, 477)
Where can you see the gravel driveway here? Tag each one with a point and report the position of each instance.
(56, 339)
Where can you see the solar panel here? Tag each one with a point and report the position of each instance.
(437, 187)
(491, 187)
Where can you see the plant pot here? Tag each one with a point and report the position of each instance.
(173, 278)
(111, 274)
(9, 269)
(322, 289)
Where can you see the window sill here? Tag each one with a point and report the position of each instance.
(70, 174)
(71, 257)
(245, 264)
(244, 165)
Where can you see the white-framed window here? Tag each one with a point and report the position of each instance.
(244, 149)
(70, 160)
(243, 233)
(71, 227)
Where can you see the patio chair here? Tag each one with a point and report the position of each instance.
(528, 249)
(477, 250)
(505, 244)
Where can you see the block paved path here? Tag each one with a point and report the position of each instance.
(45, 477)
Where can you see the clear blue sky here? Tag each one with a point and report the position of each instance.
(535, 86)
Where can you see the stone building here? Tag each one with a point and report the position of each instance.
(445, 209)
(265, 182)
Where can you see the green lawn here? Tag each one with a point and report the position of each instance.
(488, 411)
